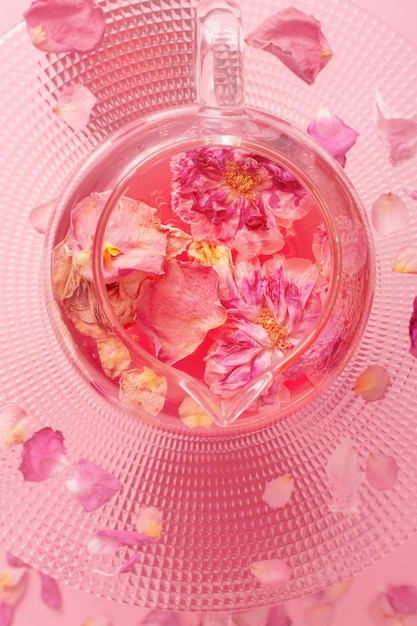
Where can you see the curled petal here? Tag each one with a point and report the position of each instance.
(13, 583)
(149, 521)
(271, 573)
(406, 260)
(389, 214)
(402, 598)
(398, 134)
(372, 383)
(50, 592)
(193, 415)
(296, 39)
(74, 106)
(92, 485)
(14, 425)
(114, 356)
(43, 455)
(333, 134)
(412, 329)
(109, 541)
(65, 25)
(143, 390)
(278, 492)
(344, 477)
(39, 216)
(381, 471)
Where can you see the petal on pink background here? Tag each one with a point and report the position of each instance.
(14, 425)
(14, 561)
(143, 390)
(381, 470)
(406, 260)
(333, 593)
(412, 329)
(389, 214)
(271, 572)
(74, 105)
(320, 615)
(92, 485)
(278, 492)
(65, 25)
(345, 477)
(109, 541)
(43, 455)
(372, 383)
(402, 598)
(39, 216)
(296, 39)
(6, 614)
(13, 584)
(150, 521)
(333, 134)
(50, 591)
(126, 567)
(98, 620)
(398, 134)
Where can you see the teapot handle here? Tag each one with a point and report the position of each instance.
(219, 44)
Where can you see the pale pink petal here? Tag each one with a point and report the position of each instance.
(143, 390)
(333, 593)
(271, 572)
(109, 541)
(398, 134)
(193, 415)
(98, 620)
(149, 521)
(277, 616)
(381, 470)
(321, 615)
(43, 455)
(178, 309)
(13, 583)
(389, 214)
(74, 106)
(6, 614)
(14, 561)
(14, 425)
(296, 39)
(382, 613)
(114, 356)
(402, 598)
(333, 134)
(372, 383)
(39, 216)
(345, 477)
(278, 492)
(92, 485)
(65, 25)
(406, 260)
(412, 329)
(50, 592)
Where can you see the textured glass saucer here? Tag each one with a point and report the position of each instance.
(210, 491)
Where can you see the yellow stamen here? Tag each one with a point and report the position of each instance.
(326, 53)
(240, 180)
(276, 333)
(109, 252)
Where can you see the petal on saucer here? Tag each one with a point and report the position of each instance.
(14, 561)
(150, 521)
(74, 105)
(278, 492)
(43, 455)
(345, 477)
(50, 591)
(271, 572)
(372, 383)
(14, 425)
(13, 583)
(398, 134)
(109, 541)
(406, 260)
(39, 216)
(333, 134)
(411, 192)
(381, 471)
(389, 214)
(92, 485)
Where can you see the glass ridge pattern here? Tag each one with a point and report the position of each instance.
(201, 563)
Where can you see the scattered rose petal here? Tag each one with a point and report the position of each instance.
(296, 39)
(13, 582)
(149, 521)
(126, 567)
(256, 617)
(109, 541)
(14, 561)
(143, 390)
(278, 617)
(50, 592)
(320, 615)
(412, 328)
(402, 598)
(381, 471)
(411, 192)
(333, 134)
(398, 134)
(14, 425)
(39, 216)
(372, 383)
(382, 612)
(344, 477)
(43, 455)
(278, 492)
(6, 614)
(271, 573)
(114, 356)
(389, 214)
(406, 260)
(74, 106)
(92, 485)
(65, 25)
(193, 415)
(99, 620)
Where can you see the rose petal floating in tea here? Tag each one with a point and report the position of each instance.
(389, 214)
(193, 415)
(372, 383)
(65, 25)
(74, 105)
(381, 470)
(14, 425)
(143, 390)
(345, 477)
(50, 591)
(92, 485)
(333, 134)
(402, 598)
(39, 216)
(109, 541)
(296, 39)
(114, 356)
(43, 455)
(13, 584)
(278, 492)
(406, 260)
(398, 134)
(271, 572)
(150, 521)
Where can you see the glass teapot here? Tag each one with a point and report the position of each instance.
(210, 268)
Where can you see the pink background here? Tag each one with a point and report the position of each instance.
(399, 567)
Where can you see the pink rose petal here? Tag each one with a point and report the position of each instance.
(14, 561)
(345, 477)
(406, 260)
(13, 583)
(389, 214)
(296, 39)
(372, 383)
(271, 573)
(278, 492)
(143, 390)
(381, 470)
(150, 521)
(333, 593)
(14, 425)
(43, 455)
(74, 106)
(412, 329)
(402, 598)
(92, 485)
(50, 592)
(6, 614)
(65, 25)
(398, 134)
(109, 541)
(39, 216)
(333, 134)
(321, 615)
(114, 356)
